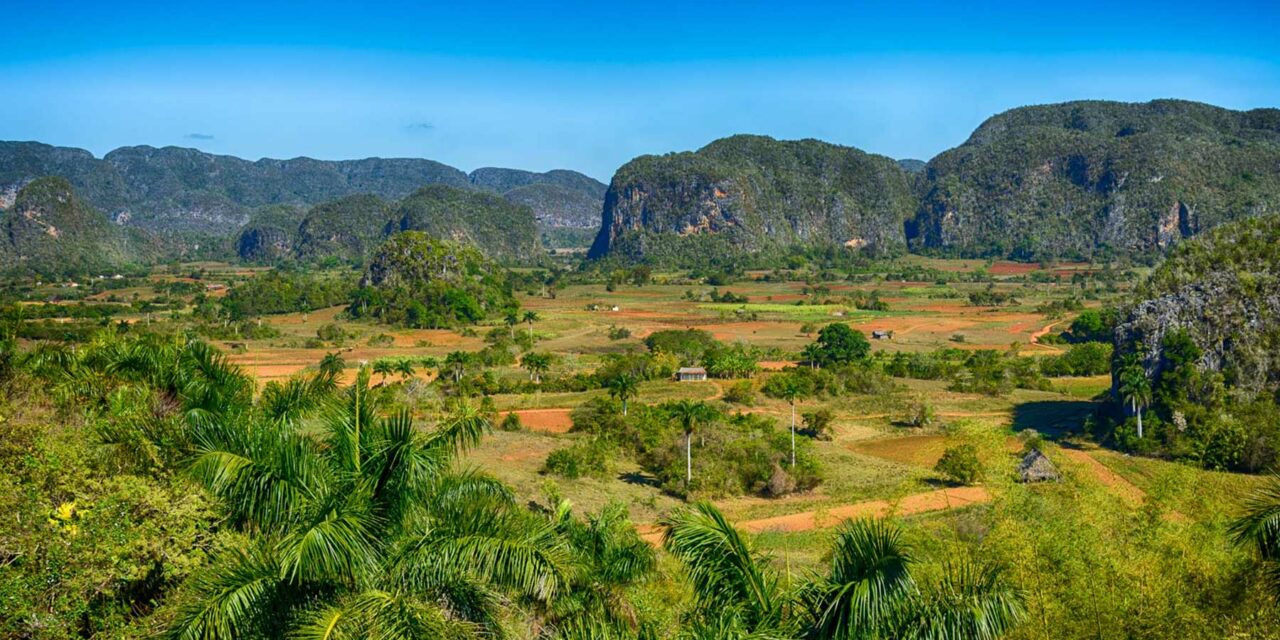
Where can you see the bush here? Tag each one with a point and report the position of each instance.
(920, 413)
(511, 422)
(619, 333)
(960, 464)
(331, 332)
(743, 393)
(817, 424)
(381, 340)
(592, 457)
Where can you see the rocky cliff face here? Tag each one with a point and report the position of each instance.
(1082, 179)
(1223, 290)
(559, 198)
(750, 194)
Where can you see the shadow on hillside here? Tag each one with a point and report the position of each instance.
(1052, 418)
(641, 479)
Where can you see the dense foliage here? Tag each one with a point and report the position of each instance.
(50, 230)
(285, 292)
(417, 281)
(1199, 355)
(1091, 178)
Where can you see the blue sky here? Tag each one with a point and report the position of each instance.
(587, 85)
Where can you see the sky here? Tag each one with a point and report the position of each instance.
(590, 85)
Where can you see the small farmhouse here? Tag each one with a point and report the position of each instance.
(881, 334)
(691, 374)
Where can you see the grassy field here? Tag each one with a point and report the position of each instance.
(1132, 518)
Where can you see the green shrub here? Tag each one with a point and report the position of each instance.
(593, 457)
(960, 464)
(511, 422)
(742, 392)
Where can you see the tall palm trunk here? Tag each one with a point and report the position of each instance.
(688, 459)
(793, 434)
(1138, 410)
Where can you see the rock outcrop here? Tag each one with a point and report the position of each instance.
(748, 194)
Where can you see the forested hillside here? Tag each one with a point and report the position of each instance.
(748, 194)
(350, 228)
(49, 229)
(1093, 178)
(178, 189)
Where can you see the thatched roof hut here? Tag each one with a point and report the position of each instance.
(1036, 467)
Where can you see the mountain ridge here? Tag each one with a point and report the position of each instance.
(183, 189)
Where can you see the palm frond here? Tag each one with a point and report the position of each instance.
(526, 555)
(461, 429)
(337, 545)
(234, 593)
(725, 570)
(868, 585)
(1260, 524)
(972, 602)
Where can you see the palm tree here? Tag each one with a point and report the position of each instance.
(789, 387)
(530, 317)
(1134, 386)
(404, 368)
(331, 367)
(537, 364)
(623, 387)
(610, 557)
(689, 413)
(868, 592)
(456, 364)
(511, 320)
(384, 368)
(730, 581)
(363, 530)
(812, 354)
(1259, 527)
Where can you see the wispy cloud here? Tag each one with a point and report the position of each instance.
(199, 136)
(421, 126)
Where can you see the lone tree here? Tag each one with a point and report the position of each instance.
(537, 364)
(511, 320)
(789, 387)
(383, 368)
(529, 318)
(839, 344)
(1134, 388)
(623, 386)
(690, 413)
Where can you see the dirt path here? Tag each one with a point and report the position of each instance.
(719, 391)
(1035, 337)
(1130, 493)
(1114, 482)
(808, 520)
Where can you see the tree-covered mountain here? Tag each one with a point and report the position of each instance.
(1082, 179)
(747, 194)
(271, 232)
(501, 229)
(177, 189)
(350, 228)
(49, 229)
(1202, 348)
